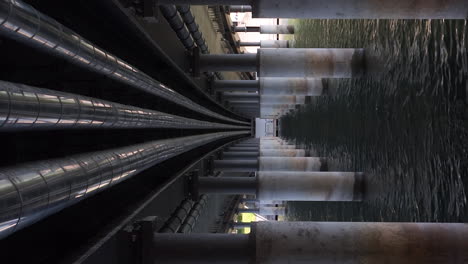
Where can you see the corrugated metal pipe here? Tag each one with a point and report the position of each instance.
(177, 218)
(178, 25)
(30, 192)
(22, 22)
(191, 220)
(189, 20)
(24, 107)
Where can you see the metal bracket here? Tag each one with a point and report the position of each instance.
(139, 236)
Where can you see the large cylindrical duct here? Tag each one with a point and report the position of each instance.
(24, 107)
(32, 191)
(22, 22)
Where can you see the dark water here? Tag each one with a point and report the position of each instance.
(405, 126)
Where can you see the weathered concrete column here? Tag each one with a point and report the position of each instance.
(292, 164)
(240, 8)
(266, 43)
(291, 186)
(272, 164)
(361, 9)
(267, 29)
(346, 9)
(316, 63)
(284, 153)
(313, 63)
(264, 210)
(310, 186)
(264, 147)
(321, 242)
(292, 86)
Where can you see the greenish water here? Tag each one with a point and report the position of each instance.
(404, 125)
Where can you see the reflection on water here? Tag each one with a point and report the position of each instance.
(404, 126)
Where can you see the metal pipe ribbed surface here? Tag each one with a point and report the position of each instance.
(22, 22)
(33, 191)
(178, 25)
(189, 20)
(25, 107)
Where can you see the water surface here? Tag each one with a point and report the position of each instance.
(404, 125)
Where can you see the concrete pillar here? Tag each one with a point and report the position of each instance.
(266, 43)
(310, 186)
(292, 86)
(312, 63)
(353, 243)
(264, 147)
(284, 153)
(267, 29)
(240, 8)
(292, 164)
(316, 63)
(320, 242)
(290, 186)
(345, 9)
(361, 9)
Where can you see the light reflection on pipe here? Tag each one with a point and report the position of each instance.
(33, 191)
(20, 20)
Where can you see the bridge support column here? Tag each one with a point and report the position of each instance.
(290, 186)
(345, 9)
(315, 63)
(320, 242)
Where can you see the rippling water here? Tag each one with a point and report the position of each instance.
(405, 125)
